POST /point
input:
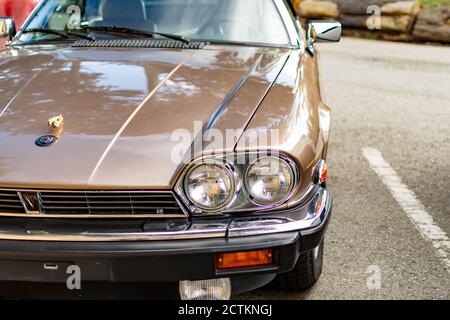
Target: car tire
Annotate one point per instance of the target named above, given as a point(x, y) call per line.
point(306, 272)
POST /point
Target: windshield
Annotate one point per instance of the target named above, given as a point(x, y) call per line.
point(248, 21)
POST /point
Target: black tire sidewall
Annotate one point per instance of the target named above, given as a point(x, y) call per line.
point(317, 260)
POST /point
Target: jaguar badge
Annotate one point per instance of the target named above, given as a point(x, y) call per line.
point(56, 126)
point(46, 141)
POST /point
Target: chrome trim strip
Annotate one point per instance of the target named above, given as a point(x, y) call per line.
point(28, 20)
point(22, 200)
point(27, 235)
point(321, 205)
point(91, 216)
point(307, 217)
point(290, 28)
point(87, 190)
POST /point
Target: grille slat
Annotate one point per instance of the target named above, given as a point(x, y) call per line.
point(4, 205)
point(10, 202)
point(96, 204)
point(4, 195)
point(115, 202)
point(102, 208)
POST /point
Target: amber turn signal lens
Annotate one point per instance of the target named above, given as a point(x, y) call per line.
point(320, 174)
point(324, 174)
point(244, 259)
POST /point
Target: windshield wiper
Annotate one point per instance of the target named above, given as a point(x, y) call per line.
point(120, 30)
point(63, 34)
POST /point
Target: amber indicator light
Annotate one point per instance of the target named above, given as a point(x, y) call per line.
point(324, 174)
point(244, 259)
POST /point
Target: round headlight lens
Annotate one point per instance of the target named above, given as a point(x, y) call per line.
point(209, 186)
point(269, 180)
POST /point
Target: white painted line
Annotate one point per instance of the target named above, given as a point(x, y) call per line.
point(410, 204)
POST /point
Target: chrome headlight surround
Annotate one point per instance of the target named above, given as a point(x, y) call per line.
point(292, 176)
point(227, 169)
point(241, 201)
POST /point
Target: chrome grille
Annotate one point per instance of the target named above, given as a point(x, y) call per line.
point(10, 202)
point(82, 204)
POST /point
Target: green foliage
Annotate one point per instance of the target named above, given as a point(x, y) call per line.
point(434, 3)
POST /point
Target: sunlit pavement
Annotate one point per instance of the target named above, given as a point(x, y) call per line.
point(395, 98)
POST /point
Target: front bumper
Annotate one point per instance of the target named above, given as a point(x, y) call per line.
point(149, 256)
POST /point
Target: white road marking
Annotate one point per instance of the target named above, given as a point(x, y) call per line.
point(410, 204)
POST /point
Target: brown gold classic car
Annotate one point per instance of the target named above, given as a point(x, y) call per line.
point(163, 142)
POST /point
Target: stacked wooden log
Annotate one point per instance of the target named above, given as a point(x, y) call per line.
point(399, 16)
point(433, 24)
point(393, 19)
point(312, 9)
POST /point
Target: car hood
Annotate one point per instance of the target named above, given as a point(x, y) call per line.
point(128, 113)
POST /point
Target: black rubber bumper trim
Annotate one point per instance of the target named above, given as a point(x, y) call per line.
point(155, 261)
point(162, 261)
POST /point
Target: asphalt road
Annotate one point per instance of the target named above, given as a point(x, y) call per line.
point(393, 97)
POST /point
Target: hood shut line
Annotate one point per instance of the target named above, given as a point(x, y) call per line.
point(132, 116)
point(217, 114)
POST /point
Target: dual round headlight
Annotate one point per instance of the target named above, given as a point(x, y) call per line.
point(269, 180)
point(210, 186)
point(213, 186)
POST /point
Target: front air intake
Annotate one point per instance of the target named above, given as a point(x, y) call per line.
point(10, 202)
point(90, 204)
point(138, 43)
